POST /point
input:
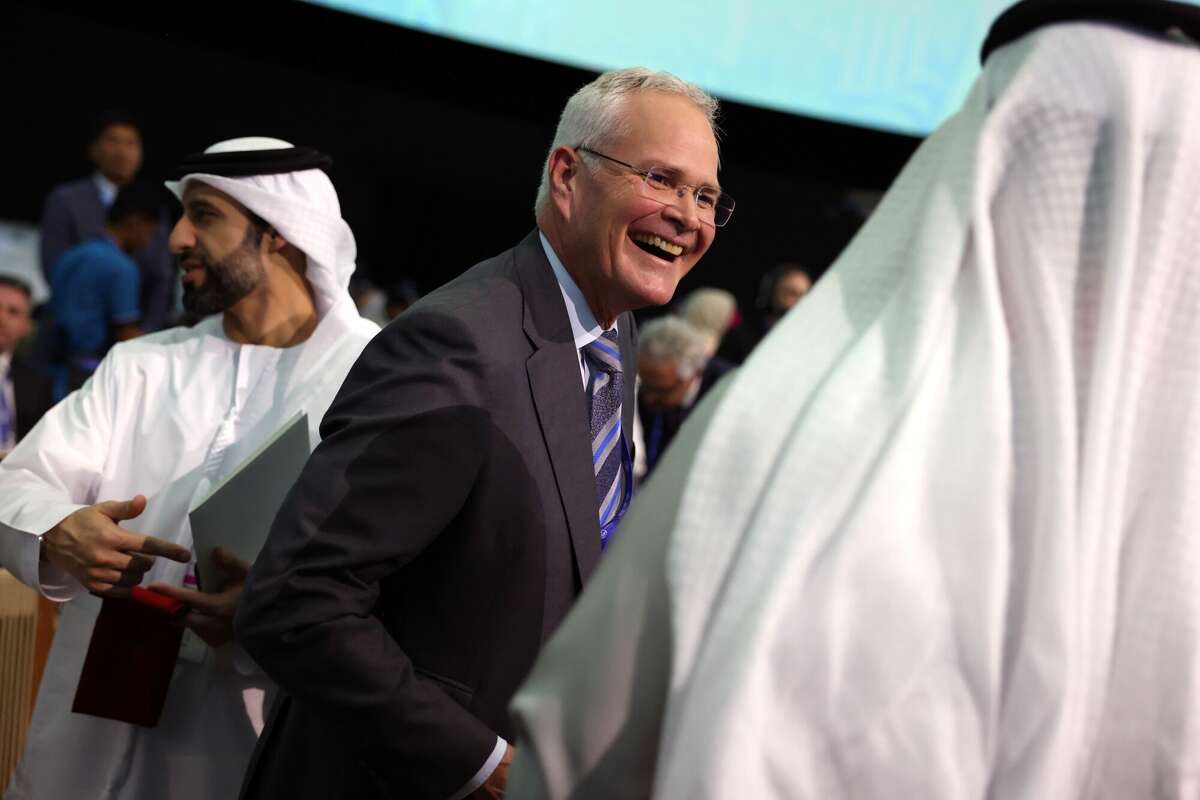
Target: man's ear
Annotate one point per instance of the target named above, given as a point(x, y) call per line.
point(564, 168)
point(275, 240)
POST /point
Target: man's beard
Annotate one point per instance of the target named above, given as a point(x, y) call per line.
point(225, 282)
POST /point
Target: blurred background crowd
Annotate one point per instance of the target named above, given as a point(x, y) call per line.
point(84, 220)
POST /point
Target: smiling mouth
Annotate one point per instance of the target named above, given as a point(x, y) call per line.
point(192, 271)
point(657, 246)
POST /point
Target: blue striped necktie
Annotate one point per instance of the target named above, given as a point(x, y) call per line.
point(604, 357)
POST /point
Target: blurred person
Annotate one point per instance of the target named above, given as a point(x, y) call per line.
point(25, 390)
point(475, 465)
point(76, 212)
point(675, 371)
point(402, 294)
point(266, 258)
point(712, 312)
point(938, 539)
point(368, 298)
point(94, 288)
point(779, 290)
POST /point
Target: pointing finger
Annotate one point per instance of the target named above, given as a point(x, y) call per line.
point(132, 563)
point(153, 546)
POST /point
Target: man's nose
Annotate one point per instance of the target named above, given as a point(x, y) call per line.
point(183, 236)
point(683, 212)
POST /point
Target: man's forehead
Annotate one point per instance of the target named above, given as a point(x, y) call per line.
point(672, 132)
point(10, 295)
point(197, 191)
point(657, 364)
point(120, 130)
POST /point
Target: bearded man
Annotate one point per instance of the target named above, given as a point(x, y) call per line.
point(165, 418)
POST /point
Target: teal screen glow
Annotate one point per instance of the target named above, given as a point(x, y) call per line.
point(887, 64)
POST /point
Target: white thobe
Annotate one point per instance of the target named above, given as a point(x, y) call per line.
point(168, 416)
point(948, 548)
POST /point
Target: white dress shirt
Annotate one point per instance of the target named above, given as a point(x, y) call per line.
point(108, 190)
point(584, 327)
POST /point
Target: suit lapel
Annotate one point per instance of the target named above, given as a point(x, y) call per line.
point(25, 396)
point(558, 396)
point(89, 211)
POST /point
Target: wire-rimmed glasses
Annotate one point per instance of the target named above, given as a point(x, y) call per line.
point(713, 206)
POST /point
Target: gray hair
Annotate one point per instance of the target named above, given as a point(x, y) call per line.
point(711, 310)
point(672, 339)
point(592, 117)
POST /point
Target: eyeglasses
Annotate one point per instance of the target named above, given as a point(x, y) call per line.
point(713, 206)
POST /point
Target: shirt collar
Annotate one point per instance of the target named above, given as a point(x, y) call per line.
point(584, 327)
point(107, 189)
point(5, 363)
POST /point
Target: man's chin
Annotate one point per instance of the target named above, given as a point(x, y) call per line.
point(655, 293)
point(200, 304)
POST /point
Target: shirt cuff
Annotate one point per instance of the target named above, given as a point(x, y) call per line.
point(54, 582)
point(21, 552)
point(484, 772)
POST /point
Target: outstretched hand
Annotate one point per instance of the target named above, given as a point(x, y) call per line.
point(211, 615)
point(102, 556)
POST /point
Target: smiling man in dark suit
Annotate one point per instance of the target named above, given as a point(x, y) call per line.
point(474, 465)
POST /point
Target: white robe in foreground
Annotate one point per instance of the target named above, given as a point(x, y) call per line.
point(941, 536)
point(168, 416)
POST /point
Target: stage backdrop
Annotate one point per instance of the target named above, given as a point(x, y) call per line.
point(438, 141)
point(896, 66)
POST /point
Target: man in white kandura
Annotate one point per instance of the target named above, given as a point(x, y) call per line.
point(940, 537)
point(264, 248)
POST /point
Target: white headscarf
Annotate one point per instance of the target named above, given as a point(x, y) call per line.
point(303, 206)
point(950, 546)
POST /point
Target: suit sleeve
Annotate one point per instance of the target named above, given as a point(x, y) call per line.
point(399, 456)
point(57, 232)
point(34, 395)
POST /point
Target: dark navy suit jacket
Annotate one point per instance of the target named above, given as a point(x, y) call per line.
point(74, 214)
point(32, 392)
point(437, 536)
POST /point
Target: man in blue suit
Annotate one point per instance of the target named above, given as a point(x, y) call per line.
point(76, 211)
point(25, 392)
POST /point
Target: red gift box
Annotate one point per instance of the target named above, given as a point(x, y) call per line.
point(131, 658)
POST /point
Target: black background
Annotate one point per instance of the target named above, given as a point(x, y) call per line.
point(437, 144)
